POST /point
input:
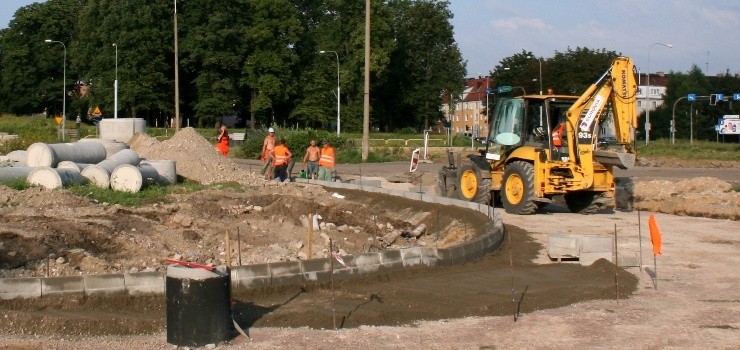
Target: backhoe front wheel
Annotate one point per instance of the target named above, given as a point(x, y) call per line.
point(472, 186)
point(517, 189)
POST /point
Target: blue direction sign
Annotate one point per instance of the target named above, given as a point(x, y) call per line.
point(488, 91)
point(720, 97)
point(504, 88)
point(736, 97)
point(692, 97)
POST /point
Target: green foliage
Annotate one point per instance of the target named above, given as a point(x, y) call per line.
point(148, 195)
point(683, 149)
point(17, 184)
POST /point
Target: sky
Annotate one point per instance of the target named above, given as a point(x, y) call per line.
point(702, 33)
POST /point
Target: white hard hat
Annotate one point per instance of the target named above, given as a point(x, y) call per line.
point(270, 130)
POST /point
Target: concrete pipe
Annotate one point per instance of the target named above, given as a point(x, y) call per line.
point(14, 173)
point(111, 147)
point(167, 170)
point(129, 178)
point(121, 129)
point(19, 156)
point(65, 164)
point(42, 154)
point(99, 174)
point(51, 178)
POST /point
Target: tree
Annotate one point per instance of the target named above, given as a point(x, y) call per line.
point(268, 70)
point(213, 51)
point(32, 70)
point(426, 60)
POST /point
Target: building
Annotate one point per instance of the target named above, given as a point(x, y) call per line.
point(468, 115)
point(658, 84)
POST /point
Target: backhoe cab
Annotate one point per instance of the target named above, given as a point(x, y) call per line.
point(543, 146)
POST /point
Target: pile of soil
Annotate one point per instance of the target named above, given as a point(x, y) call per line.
point(700, 196)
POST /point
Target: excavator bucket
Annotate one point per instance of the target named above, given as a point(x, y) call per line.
point(621, 160)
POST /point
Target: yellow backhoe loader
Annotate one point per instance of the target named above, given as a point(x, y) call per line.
point(543, 146)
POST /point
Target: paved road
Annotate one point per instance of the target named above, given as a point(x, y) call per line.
point(400, 171)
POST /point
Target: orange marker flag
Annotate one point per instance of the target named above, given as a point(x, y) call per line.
point(654, 235)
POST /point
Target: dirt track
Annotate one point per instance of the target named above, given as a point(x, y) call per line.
point(696, 305)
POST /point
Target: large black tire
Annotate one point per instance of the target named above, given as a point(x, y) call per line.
point(446, 183)
point(582, 202)
point(472, 186)
point(517, 189)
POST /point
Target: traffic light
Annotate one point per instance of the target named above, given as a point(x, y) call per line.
point(714, 98)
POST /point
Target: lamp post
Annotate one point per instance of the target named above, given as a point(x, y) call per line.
point(539, 60)
point(673, 120)
point(64, 86)
point(115, 88)
point(647, 109)
point(339, 107)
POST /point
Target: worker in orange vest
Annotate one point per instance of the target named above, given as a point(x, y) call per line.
point(326, 161)
point(281, 155)
point(557, 135)
point(223, 140)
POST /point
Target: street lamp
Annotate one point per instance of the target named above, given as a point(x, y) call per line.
point(673, 120)
point(64, 86)
point(339, 107)
point(115, 88)
point(540, 79)
point(647, 109)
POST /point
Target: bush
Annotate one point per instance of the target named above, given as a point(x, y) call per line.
point(297, 141)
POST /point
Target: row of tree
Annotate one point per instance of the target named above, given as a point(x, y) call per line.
point(256, 58)
point(574, 70)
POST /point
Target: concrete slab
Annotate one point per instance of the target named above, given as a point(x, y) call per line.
point(59, 286)
point(11, 288)
point(144, 283)
point(561, 245)
point(104, 284)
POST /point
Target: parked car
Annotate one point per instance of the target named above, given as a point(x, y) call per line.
point(607, 140)
point(481, 140)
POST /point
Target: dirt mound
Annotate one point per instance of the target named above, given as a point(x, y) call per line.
point(700, 196)
point(196, 159)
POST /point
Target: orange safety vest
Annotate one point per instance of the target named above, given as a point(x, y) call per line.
point(557, 135)
point(327, 157)
point(281, 155)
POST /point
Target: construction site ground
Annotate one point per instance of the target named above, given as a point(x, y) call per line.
point(696, 303)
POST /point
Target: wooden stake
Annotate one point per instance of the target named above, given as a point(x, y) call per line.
point(333, 297)
point(655, 267)
point(511, 272)
point(310, 236)
point(239, 244)
point(616, 264)
point(228, 249)
point(639, 234)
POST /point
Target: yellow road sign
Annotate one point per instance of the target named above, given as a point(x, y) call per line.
point(58, 119)
point(97, 111)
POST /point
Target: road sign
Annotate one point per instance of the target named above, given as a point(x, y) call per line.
point(736, 97)
point(488, 91)
point(720, 97)
point(58, 119)
point(97, 111)
point(504, 88)
point(692, 97)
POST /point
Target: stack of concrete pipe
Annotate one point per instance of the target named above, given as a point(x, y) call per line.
point(103, 163)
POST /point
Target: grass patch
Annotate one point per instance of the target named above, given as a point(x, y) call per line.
point(149, 195)
point(16, 184)
point(683, 149)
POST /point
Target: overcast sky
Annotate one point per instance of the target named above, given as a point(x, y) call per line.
point(701, 32)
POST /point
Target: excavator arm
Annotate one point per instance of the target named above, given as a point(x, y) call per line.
point(616, 88)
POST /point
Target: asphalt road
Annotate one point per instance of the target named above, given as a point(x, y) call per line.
point(401, 170)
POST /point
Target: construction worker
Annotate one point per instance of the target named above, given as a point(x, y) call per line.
point(267, 146)
point(557, 140)
point(311, 160)
point(326, 162)
point(281, 156)
point(222, 144)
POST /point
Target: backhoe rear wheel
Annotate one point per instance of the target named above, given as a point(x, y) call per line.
point(517, 189)
point(472, 186)
point(582, 202)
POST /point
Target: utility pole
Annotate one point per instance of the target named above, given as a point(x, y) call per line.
point(366, 106)
point(177, 76)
